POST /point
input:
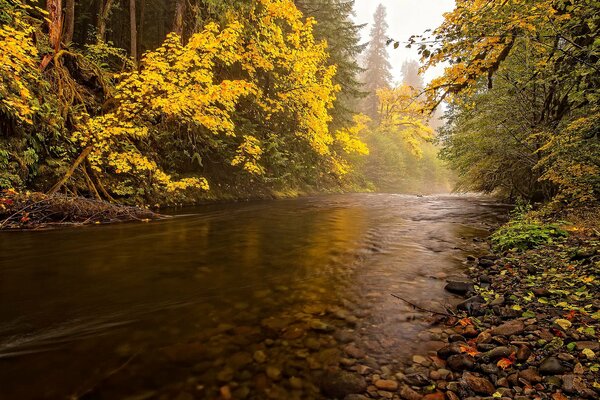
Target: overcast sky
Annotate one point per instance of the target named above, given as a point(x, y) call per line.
point(405, 18)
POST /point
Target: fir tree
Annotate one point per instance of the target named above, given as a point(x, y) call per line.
point(336, 26)
point(377, 66)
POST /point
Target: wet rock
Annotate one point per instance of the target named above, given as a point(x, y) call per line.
point(459, 287)
point(356, 397)
point(460, 362)
point(499, 352)
point(239, 360)
point(471, 305)
point(320, 326)
point(452, 396)
point(312, 343)
point(498, 301)
point(485, 279)
point(477, 384)
point(484, 337)
point(509, 328)
point(296, 383)
point(485, 263)
point(408, 394)
point(531, 375)
point(386, 384)
point(421, 360)
point(354, 351)
point(456, 338)
point(416, 379)
point(541, 292)
point(523, 353)
point(594, 346)
point(274, 372)
point(338, 384)
point(552, 366)
point(489, 369)
point(434, 396)
point(259, 356)
point(573, 384)
point(451, 349)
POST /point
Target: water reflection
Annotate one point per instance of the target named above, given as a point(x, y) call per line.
point(259, 298)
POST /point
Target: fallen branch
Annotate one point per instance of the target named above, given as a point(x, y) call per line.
point(421, 308)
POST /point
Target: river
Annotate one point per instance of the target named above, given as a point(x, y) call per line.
point(257, 298)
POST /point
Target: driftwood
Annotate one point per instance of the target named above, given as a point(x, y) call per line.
point(38, 210)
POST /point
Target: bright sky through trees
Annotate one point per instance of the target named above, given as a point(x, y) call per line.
point(405, 18)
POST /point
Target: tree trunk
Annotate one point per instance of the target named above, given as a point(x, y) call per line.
point(178, 20)
point(141, 26)
point(103, 14)
point(54, 8)
point(69, 24)
point(133, 30)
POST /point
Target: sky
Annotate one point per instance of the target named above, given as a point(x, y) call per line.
point(405, 18)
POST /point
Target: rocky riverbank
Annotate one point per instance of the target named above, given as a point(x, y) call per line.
point(527, 329)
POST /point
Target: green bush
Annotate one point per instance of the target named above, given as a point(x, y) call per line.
point(522, 235)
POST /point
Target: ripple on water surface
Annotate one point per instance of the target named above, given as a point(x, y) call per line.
point(259, 297)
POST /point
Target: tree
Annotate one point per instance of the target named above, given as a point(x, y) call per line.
point(336, 27)
point(377, 73)
point(411, 76)
point(544, 53)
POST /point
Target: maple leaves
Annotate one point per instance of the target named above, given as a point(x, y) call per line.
point(18, 68)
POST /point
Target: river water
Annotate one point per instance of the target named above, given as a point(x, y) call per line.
point(257, 299)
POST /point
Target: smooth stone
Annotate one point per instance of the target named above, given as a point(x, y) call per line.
point(594, 346)
point(509, 328)
point(416, 379)
point(451, 349)
point(573, 384)
point(523, 353)
point(296, 383)
point(421, 360)
point(259, 356)
point(273, 372)
point(354, 351)
point(339, 384)
point(408, 394)
point(386, 384)
point(456, 338)
point(499, 352)
point(460, 362)
point(459, 287)
point(552, 366)
point(477, 384)
point(356, 397)
point(531, 375)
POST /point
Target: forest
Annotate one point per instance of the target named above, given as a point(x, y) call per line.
point(171, 102)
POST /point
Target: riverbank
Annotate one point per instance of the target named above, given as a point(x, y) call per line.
point(29, 211)
point(527, 329)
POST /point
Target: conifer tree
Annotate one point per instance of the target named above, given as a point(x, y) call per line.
point(336, 26)
point(376, 63)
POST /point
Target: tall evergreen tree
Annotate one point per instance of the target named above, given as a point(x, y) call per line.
point(336, 26)
point(377, 66)
point(410, 75)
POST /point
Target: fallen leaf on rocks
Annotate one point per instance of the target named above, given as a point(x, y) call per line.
point(504, 363)
point(563, 323)
point(469, 350)
point(589, 353)
point(559, 396)
point(465, 322)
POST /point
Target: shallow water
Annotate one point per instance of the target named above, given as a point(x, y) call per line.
point(185, 306)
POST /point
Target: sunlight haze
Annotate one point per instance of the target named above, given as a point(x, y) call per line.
point(405, 18)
